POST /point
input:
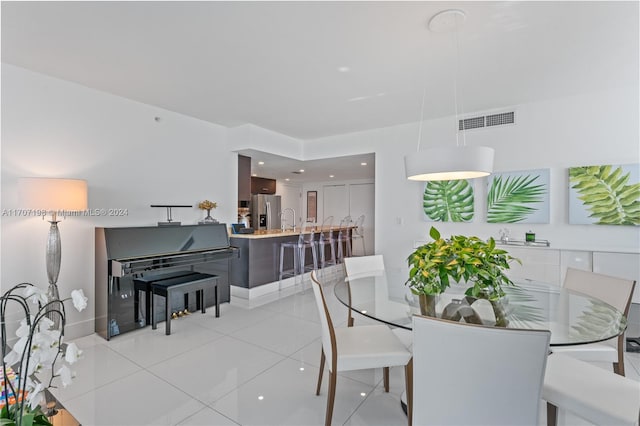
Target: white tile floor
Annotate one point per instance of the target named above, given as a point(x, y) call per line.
point(248, 367)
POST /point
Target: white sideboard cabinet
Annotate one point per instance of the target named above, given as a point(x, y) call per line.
point(550, 264)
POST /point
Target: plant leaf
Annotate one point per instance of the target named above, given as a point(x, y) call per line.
point(509, 200)
point(606, 194)
point(448, 201)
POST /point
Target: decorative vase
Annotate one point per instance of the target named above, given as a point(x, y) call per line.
point(498, 309)
point(209, 219)
point(459, 309)
point(427, 304)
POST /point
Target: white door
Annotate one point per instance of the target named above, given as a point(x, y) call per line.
point(336, 202)
point(362, 202)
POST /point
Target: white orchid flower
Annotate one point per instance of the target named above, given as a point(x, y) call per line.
point(36, 294)
point(44, 324)
point(24, 329)
point(17, 351)
point(79, 299)
point(12, 357)
point(35, 396)
point(65, 375)
point(72, 354)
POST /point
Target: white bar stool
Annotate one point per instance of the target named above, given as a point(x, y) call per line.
point(344, 239)
point(327, 239)
point(358, 234)
point(295, 253)
point(305, 243)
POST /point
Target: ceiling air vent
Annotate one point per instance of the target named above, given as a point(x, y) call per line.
point(500, 119)
point(471, 123)
point(486, 121)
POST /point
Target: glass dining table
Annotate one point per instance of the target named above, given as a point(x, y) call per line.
point(573, 318)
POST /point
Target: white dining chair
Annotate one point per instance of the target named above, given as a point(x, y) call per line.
point(357, 348)
point(361, 267)
point(614, 291)
point(591, 392)
point(466, 374)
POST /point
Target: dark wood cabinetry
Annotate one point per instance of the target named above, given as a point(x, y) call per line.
point(244, 178)
point(262, 185)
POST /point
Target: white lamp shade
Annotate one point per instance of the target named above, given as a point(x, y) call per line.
point(52, 194)
point(464, 162)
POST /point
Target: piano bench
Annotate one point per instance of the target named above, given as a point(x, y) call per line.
point(144, 284)
point(197, 282)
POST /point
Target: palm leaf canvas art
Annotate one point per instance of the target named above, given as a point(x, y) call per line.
point(518, 197)
point(605, 195)
point(448, 201)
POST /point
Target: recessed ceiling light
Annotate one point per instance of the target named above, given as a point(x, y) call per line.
point(344, 69)
point(301, 170)
point(261, 397)
point(287, 179)
point(255, 174)
point(363, 164)
point(301, 368)
point(358, 98)
point(261, 162)
point(331, 176)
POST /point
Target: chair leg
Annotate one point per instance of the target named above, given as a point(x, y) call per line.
point(320, 372)
point(330, 398)
point(552, 414)
point(408, 378)
point(618, 367)
point(385, 375)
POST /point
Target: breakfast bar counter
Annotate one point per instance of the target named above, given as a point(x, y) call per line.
point(275, 233)
point(259, 260)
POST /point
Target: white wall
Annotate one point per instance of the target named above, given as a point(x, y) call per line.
point(596, 128)
point(54, 128)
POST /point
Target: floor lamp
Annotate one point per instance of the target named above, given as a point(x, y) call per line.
point(57, 197)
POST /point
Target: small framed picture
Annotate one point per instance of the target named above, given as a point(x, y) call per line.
point(312, 206)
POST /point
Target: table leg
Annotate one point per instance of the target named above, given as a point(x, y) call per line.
point(215, 289)
point(154, 324)
point(167, 311)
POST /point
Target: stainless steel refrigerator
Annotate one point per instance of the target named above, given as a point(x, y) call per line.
point(265, 211)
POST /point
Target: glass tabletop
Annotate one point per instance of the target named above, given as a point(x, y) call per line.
point(573, 318)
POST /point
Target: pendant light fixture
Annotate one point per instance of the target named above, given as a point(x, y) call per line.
point(448, 163)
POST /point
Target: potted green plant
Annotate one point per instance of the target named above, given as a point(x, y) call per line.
point(459, 259)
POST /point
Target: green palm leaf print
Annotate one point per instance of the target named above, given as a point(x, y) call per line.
point(448, 201)
point(606, 193)
point(510, 199)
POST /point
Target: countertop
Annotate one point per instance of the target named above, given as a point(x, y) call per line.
point(274, 233)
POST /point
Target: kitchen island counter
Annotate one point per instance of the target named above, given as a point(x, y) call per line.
point(275, 233)
point(259, 259)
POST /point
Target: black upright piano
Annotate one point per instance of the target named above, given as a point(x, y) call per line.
point(126, 256)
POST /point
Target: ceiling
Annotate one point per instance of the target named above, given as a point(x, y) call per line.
point(350, 167)
point(315, 69)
